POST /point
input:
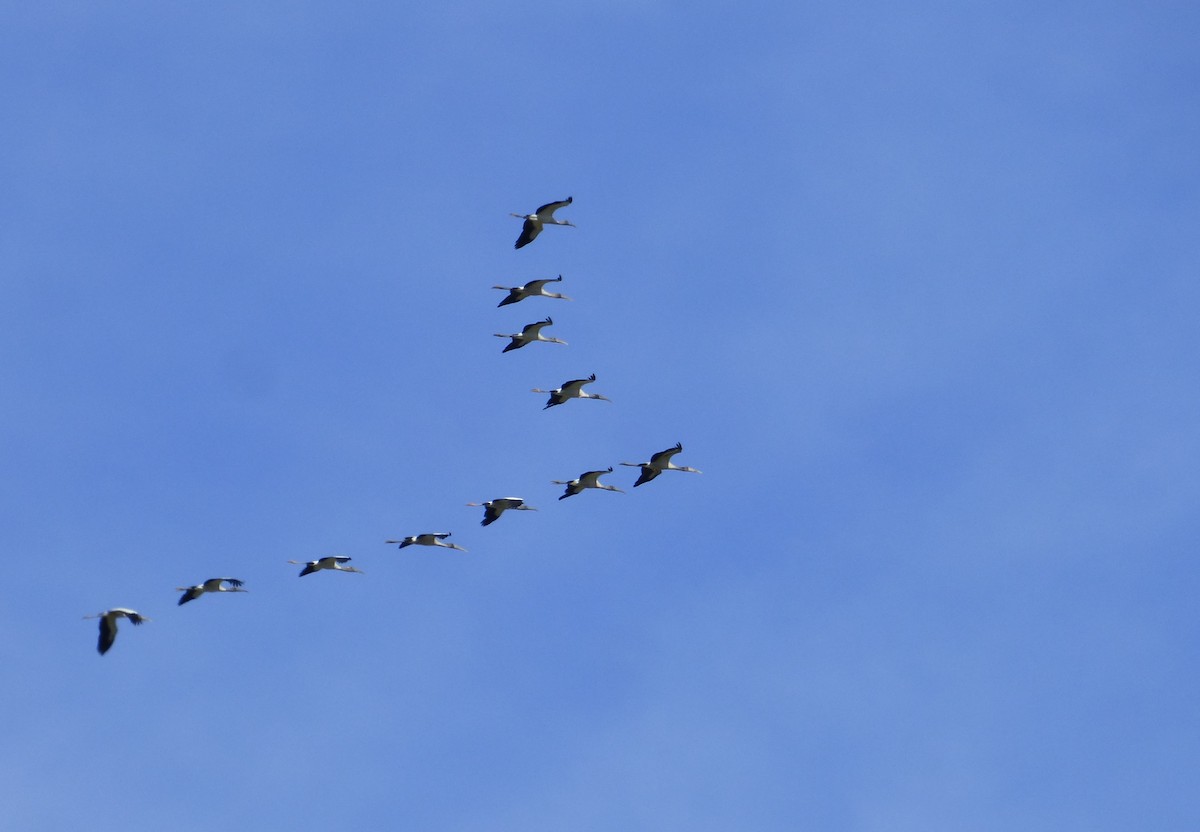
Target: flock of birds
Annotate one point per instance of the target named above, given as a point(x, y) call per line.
point(492, 509)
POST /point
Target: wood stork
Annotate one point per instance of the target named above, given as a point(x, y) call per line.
point(588, 479)
point(492, 509)
point(571, 390)
point(191, 593)
point(532, 289)
point(333, 562)
point(427, 539)
point(542, 216)
point(108, 625)
point(658, 463)
point(530, 333)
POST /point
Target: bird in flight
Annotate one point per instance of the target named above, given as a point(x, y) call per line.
point(530, 333)
point(532, 289)
point(571, 390)
point(492, 509)
point(191, 593)
point(334, 562)
point(588, 479)
point(658, 463)
point(427, 539)
point(542, 216)
point(108, 625)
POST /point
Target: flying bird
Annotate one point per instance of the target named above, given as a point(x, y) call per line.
point(658, 463)
point(108, 625)
point(588, 479)
point(191, 593)
point(427, 539)
point(542, 216)
point(333, 562)
point(571, 390)
point(531, 332)
point(492, 509)
point(532, 289)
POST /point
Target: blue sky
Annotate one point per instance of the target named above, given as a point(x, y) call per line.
point(915, 287)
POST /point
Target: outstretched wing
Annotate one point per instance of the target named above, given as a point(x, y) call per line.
point(663, 458)
point(532, 330)
point(528, 232)
point(546, 212)
point(108, 633)
point(649, 472)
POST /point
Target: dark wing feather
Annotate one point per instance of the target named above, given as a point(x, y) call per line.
point(649, 472)
point(191, 595)
point(528, 232)
point(108, 633)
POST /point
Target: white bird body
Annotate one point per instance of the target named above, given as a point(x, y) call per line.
point(191, 593)
point(333, 562)
point(532, 289)
point(658, 463)
point(571, 390)
point(108, 625)
point(427, 539)
point(588, 479)
point(492, 509)
point(530, 333)
point(534, 222)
